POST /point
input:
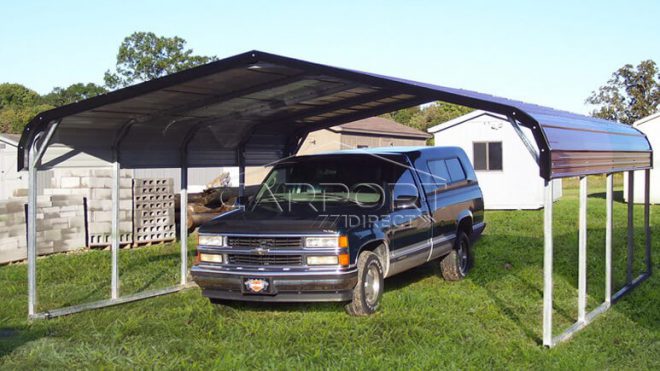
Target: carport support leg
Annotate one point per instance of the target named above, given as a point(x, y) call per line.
point(547, 265)
point(32, 234)
point(608, 239)
point(183, 220)
point(631, 240)
point(647, 220)
point(114, 290)
point(582, 252)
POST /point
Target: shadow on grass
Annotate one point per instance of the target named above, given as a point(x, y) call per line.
point(12, 338)
point(618, 196)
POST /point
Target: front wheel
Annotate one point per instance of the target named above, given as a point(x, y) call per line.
point(369, 289)
point(455, 265)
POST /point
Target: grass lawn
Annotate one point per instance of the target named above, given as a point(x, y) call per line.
point(490, 320)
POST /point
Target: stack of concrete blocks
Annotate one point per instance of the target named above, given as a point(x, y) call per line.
point(60, 226)
point(153, 220)
point(95, 185)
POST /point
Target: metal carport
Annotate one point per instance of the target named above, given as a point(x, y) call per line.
point(255, 108)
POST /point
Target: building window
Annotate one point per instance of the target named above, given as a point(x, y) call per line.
point(487, 155)
point(362, 146)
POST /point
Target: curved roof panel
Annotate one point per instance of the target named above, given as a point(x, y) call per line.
point(262, 106)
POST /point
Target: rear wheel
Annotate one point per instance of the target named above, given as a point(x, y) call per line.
point(456, 265)
point(369, 289)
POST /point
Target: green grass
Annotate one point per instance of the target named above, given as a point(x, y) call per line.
point(490, 320)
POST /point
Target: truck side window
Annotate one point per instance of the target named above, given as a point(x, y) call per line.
point(404, 184)
point(456, 172)
point(439, 172)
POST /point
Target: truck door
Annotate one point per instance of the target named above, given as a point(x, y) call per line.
point(410, 225)
point(444, 187)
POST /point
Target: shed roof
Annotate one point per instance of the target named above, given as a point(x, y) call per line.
point(647, 119)
point(262, 106)
point(381, 126)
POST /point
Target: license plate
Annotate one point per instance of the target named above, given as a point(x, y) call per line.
point(256, 285)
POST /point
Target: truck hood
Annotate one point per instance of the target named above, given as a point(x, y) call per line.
point(299, 221)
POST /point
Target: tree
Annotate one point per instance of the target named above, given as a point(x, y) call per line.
point(74, 93)
point(629, 95)
point(144, 56)
point(422, 118)
point(18, 105)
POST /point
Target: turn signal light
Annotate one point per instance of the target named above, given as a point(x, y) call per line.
point(343, 241)
point(344, 260)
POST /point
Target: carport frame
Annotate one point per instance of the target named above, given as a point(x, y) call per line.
point(626, 154)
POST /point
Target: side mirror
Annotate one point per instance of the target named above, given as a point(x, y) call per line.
point(405, 202)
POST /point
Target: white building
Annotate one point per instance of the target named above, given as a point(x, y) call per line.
point(507, 172)
point(649, 125)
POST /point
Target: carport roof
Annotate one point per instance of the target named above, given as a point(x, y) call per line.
point(262, 105)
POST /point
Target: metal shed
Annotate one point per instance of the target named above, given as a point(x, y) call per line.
point(255, 108)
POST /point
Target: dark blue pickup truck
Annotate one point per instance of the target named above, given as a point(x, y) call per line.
point(332, 227)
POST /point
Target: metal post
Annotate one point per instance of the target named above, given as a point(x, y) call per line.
point(582, 252)
point(241, 171)
point(608, 239)
point(631, 240)
point(32, 232)
point(35, 153)
point(114, 290)
point(183, 218)
point(547, 265)
point(647, 221)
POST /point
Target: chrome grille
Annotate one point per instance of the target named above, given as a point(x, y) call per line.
point(265, 242)
point(242, 259)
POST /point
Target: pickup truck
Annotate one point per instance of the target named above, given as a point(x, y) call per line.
point(332, 227)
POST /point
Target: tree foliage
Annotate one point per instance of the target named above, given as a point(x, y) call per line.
point(422, 118)
point(74, 93)
point(18, 105)
point(144, 56)
point(629, 95)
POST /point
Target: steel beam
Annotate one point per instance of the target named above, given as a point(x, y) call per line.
point(547, 265)
point(114, 275)
point(240, 153)
point(631, 237)
point(582, 252)
point(183, 220)
point(647, 220)
point(108, 302)
point(36, 152)
point(528, 144)
point(608, 237)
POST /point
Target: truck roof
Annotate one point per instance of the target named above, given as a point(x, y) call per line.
point(393, 150)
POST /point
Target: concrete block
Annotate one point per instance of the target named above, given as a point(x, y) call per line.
point(21, 192)
point(101, 216)
point(70, 182)
point(11, 255)
point(125, 193)
point(77, 221)
point(102, 194)
point(102, 173)
point(99, 227)
point(126, 183)
point(96, 182)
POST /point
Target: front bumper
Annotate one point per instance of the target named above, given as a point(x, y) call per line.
point(285, 286)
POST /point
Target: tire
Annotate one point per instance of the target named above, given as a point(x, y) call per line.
point(456, 265)
point(368, 292)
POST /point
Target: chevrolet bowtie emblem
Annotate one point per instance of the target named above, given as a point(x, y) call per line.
point(260, 251)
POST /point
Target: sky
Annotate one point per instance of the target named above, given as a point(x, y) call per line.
point(552, 53)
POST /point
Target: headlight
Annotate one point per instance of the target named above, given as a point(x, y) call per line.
point(334, 241)
point(212, 240)
point(212, 258)
point(322, 260)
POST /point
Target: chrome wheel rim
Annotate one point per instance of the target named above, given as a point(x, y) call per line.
point(372, 285)
point(462, 257)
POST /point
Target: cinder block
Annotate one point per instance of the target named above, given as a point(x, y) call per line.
point(21, 192)
point(11, 255)
point(99, 227)
point(96, 182)
point(70, 182)
point(102, 194)
point(101, 216)
point(77, 221)
point(126, 182)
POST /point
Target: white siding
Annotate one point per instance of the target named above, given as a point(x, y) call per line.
point(518, 185)
point(652, 130)
point(198, 178)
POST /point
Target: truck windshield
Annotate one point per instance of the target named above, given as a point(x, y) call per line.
point(331, 180)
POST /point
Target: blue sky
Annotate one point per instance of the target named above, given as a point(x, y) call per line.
point(547, 52)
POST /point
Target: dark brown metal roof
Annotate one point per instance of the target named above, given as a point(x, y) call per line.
point(265, 104)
